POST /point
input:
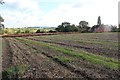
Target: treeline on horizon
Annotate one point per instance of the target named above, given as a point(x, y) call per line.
point(82, 27)
point(64, 27)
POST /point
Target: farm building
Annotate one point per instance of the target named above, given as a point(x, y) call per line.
point(100, 28)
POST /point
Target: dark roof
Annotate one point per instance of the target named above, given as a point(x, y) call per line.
point(94, 27)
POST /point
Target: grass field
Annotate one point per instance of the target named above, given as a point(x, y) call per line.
point(7, 31)
point(80, 55)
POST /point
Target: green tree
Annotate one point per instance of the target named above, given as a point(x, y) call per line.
point(65, 24)
point(66, 27)
point(75, 29)
point(60, 28)
point(52, 31)
point(99, 21)
point(27, 31)
point(83, 26)
point(18, 31)
point(38, 31)
point(114, 29)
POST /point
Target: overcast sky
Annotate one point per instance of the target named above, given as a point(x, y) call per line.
point(119, 12)
point(25, 13)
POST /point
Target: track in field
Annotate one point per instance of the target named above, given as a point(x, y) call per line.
point(96, 50)
point(90, 71)
point(44, 67)
point(42, 61)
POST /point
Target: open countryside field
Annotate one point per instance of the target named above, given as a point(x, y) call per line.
point(81, 55)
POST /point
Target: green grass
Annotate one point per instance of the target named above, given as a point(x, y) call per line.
point(95, 59)
point(94, 38)
point(23, 30)
point(18, 69)
point(83, 55)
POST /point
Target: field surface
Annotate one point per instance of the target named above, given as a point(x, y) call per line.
point(87, 55)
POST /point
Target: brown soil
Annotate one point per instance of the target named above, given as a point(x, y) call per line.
point(40, 65)
point(43, 64)
point(95, 49)
point(79, 67)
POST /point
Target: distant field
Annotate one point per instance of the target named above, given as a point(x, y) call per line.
point(24, 30)
point(80, 55)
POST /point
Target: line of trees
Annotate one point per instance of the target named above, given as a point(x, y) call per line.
point(67, 27)
point(115, 29)
point(83, 27)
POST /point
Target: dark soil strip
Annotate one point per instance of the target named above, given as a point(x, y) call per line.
point(7, 56)
point(61, 43)
point(34, 64)
point(72, 69)
point(45, 67)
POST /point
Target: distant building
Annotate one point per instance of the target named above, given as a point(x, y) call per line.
point(100, 27)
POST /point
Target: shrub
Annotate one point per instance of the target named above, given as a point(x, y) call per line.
point(51, 31)
point(27, 31)
point(38, 31)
